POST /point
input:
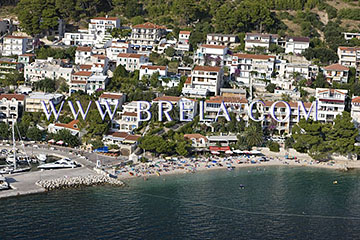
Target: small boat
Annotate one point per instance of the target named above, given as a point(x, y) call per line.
point(242, 186)
point(41, 157)
point(10, 170)
point(62, 163)
point(335, 182)
point(4, 185)
point(157, 173)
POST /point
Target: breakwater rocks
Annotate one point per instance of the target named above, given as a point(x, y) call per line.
point(73, 182)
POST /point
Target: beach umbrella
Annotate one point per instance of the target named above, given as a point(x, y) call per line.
point(60, 142)
point(228, 152)
point(215, 152)
point(237, 151)
point(51, 141)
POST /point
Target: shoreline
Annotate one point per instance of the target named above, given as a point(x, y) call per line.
point(25, 183)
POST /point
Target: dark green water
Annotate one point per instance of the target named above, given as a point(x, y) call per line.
point(278, 203)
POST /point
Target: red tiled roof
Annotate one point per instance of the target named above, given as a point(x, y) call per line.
point(252, 56)
point(19, 97)
point(99, 56)
point(70, 125)
point(331, 91)
point(292, 104)
point(120, 134)
point(355, 100)
point(299, 39)
point(85, 66)
point(28, 55)
point(111, 96)
point(336, 67)
point(130, 55)
point(195, 135)
point(83, 73)
point(84, 49)
point(16, 37)
point(152, 67)
point(132, 114)
point(213, 46)
point(219, 99)
point(207, 68)
point(184, 32)
point(149, 25)
point(349, 48)
point(132, 137)
point(78, 82)
point(188, 80)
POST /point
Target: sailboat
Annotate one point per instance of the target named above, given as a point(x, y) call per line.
point(12, 157)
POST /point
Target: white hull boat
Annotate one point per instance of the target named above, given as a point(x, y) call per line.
point(3, 183)
point(62, 163)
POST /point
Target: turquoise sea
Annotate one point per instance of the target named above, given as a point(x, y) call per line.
point(276, 203)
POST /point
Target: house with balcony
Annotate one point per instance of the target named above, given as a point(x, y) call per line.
point(149, 70)
point(259, 40)
point(221, 39)
point(14, 45)
point(210, 55)
point(296, 45)
point(336, 73)
point(331, 102)
point(350, 57)
point(236, 105)
point(72, 127)
point(197, 140)
point(33, 102)
point(189, 105)
point(145, 36)
point(243, 66)
point(11, 107)
point(8, 66)
point(355, 110)
point(204, 80)
point(125, 141)
point(112, 99)
point(183, 43)
point(132, 61)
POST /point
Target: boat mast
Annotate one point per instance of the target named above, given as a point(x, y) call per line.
point(14, 143)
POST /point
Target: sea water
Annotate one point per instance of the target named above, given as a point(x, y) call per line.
point(276, 203)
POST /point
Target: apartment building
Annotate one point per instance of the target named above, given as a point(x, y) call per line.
point(336, 73)
point(190, 105)
point(197, 140)
point(83, 55)
point(237, 105)
point(349, 57)
point(243, 66)
point(125, 141)
point(14, 45)
point(210, 55)
point(26, 58)
point(256, 40)
point(183, 43)
point(204, 80)
point(87, 81)
point(11, 107)
point(112, 99)
point(148, 70)
point(103, 25)
point(116, 48)
point(221, 39)
point(132, 61)
point(291, 70)
point(331, 102)
point(47, 68)
point(145, 36)
point(81, 38)
point(33, 102)
point(296, 45)
point(8, 66)
point(355, 110)
point(125, 122)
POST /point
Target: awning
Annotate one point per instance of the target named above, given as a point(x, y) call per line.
point(219, 149)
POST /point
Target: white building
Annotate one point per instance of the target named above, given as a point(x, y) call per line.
point(102, 26)
point(127, 142)
point(211, 55)
point(125, 122)
point(183, 44)
point(47, 68)
point(355, 110)
point(205, 80)
point(83, 55)
point(244, 66)
point(237, 105)
point(87, 82)
point(81, 38)
point(33, 102)
point(11, 107)
point(255, 40)
point(145, 36)
point(331, 103)
point(336, 73)
point(112, 99)
point(148, 70)
point(132, 61)
point(14, 45)
point(190, 105)
point(350, 57)
point(197, 140)
point(289, 70)
point(350, 35)
point(116, 48)
point(296, 45)
point(221, 39)
point(72, 127)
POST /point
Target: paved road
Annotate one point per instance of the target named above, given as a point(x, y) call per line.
point(90, 161)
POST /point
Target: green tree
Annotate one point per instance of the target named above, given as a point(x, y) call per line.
point(170, 51)
point(253, 136)
point(34, 134)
